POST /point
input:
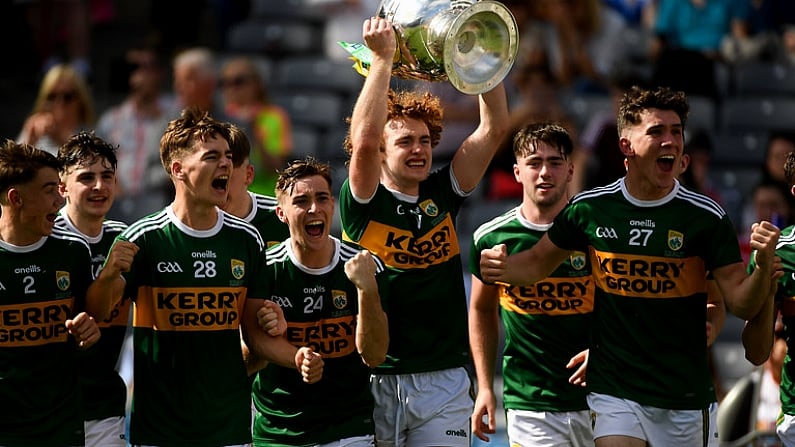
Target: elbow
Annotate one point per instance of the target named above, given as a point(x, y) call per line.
point(757, 357)
point(373, 361)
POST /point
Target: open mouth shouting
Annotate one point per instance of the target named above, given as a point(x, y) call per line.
point(666, 162)
point(315, 228)
point(220, 183)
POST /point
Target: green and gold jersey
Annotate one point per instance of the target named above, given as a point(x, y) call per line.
point(263, 217)
point(320, 306)
point(546, 324)
point(189, 289)
point(786, 293)
point(42, 286)
point(104, 391)
point(417, 241)
point(649, 260)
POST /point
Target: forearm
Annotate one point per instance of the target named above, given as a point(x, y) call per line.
point(757, 336)
point(103, 294)
point(370, 111)
point(746, 300)
point(372, 330)
point(483, 330)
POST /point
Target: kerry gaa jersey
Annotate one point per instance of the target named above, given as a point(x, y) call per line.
point(42, 286)
point(417, 241)
point(189, 289)
point(546, 324)
point(649, 260)
point(320, 306)
point(263, 217)
point(104, 391)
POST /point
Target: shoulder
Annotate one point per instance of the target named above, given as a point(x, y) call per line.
point(700, 201)
point(598, 192)
point(153, 222)
point(238, 224)
point(493, 225)
point(263, 202)
point(62, 235)
point(349, 249)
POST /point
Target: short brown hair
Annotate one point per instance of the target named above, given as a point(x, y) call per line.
point(182, 133)
point(525, 142)
point(298, 169)
point(19, 164)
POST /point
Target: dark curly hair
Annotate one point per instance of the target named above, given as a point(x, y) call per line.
point(84, 149)
point(637, 99)
point(410, 104)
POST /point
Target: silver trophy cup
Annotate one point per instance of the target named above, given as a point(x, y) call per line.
point(470, 43)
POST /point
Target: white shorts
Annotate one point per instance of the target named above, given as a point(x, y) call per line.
point(422, 409)
point(785, 429)
point(549, 429)
point(108, 432)
point(355, 441)
point(657, 426)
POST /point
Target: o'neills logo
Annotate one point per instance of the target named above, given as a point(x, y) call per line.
point(34, 324)
point(403, 250)
point(332, 337)
point(189, 309)
point(648, 276)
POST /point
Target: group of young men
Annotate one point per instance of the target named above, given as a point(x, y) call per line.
point(244, 303)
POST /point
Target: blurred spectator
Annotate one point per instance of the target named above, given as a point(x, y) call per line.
point(195, 82)
point(779, 144)
point(62, 107)
point(698, 148)
point(583, 40)
point(61, 31)
point(769, 201)
point(636, 13)
point(246, 100)
point(136, 126)
point(603, 160)
point(688, 36)
point(769, 22)
point(343, 22)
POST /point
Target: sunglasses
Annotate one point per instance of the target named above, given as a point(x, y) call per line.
point(235, 81)
point(67, 96)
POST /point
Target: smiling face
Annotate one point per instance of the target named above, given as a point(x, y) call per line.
point(89, 189)
point(653, 149)
point(307, 207)
point(545, 175)
point(38, 203)
point(407, 155)
point(203, 174)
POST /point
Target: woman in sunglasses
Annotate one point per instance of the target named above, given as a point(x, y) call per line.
point(62, 107)
point(246, 100)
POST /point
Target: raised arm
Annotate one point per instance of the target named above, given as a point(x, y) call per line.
point(370, 112)
point(372, 330)
point(483, 341)
point(746, 294)
point(108, 287)
point(523, 268)
point(473, 157)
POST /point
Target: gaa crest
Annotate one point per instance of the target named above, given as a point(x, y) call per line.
point(675, 240)
point(238, 268)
